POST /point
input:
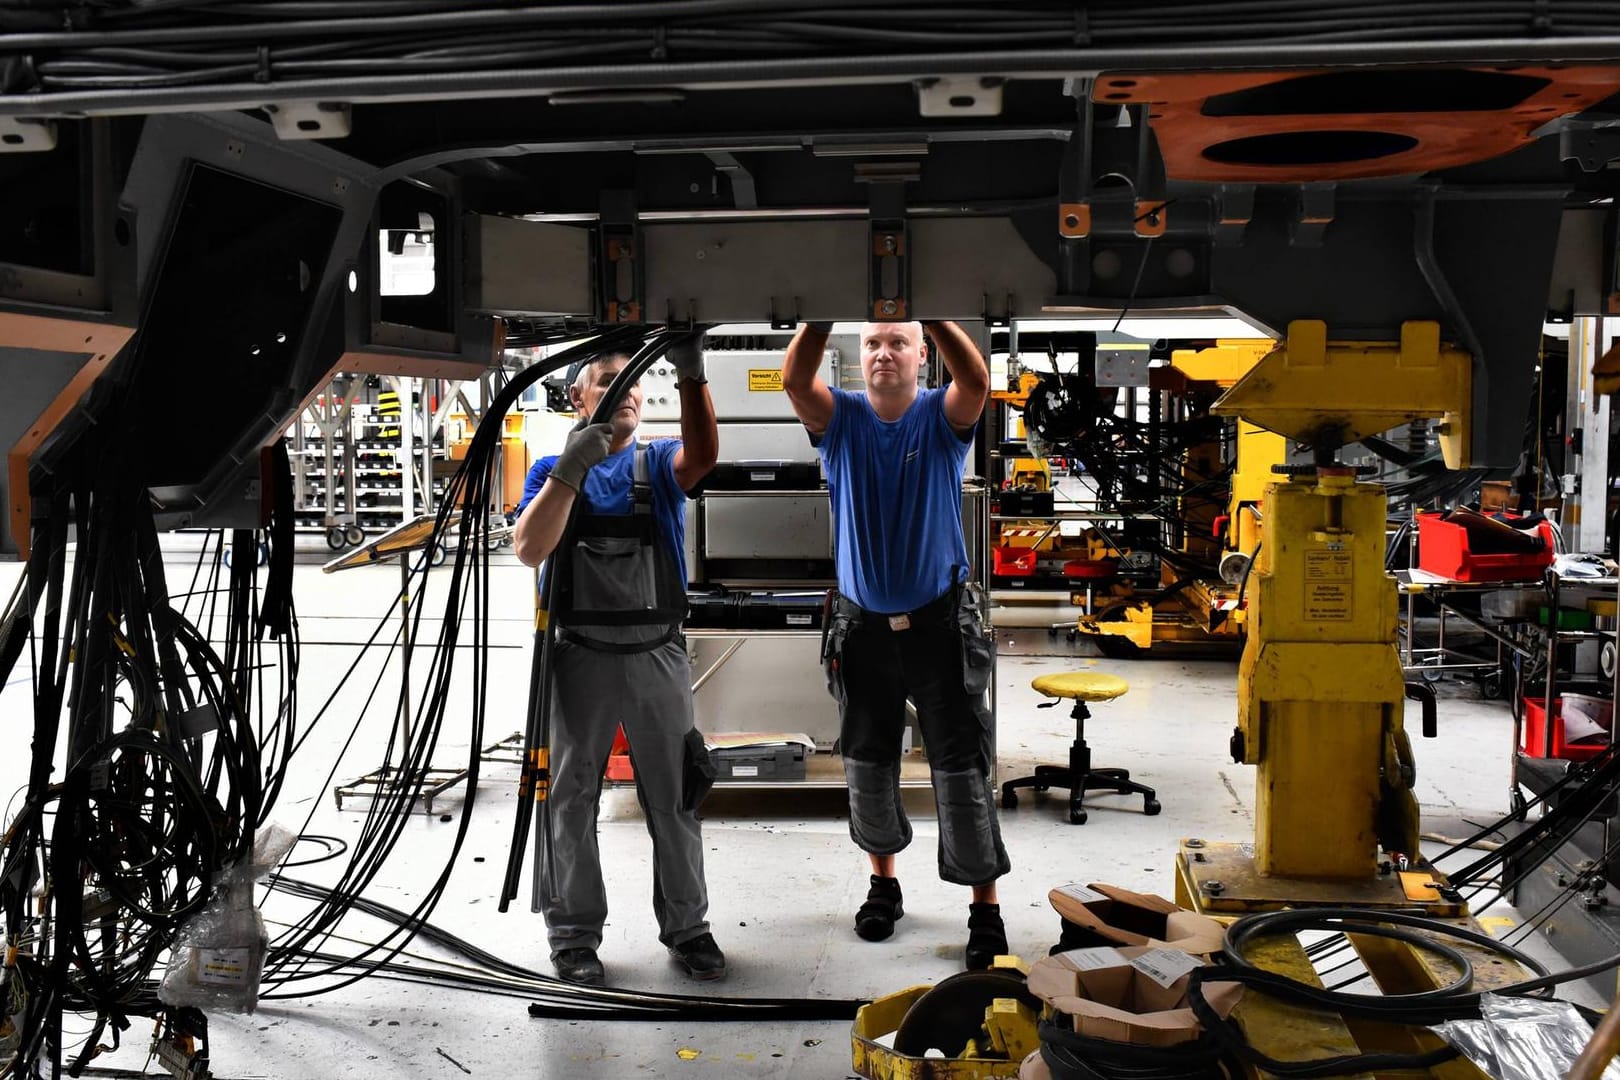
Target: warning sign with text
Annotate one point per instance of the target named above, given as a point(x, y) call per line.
point(764, 379)
point(1328, 586)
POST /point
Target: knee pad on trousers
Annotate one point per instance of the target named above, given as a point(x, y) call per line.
point(877, 821)
point(970, 849)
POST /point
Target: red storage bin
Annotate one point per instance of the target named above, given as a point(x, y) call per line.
point(1009, 561)
point(618, 767)
point(1535, 732)
point(1443, 551)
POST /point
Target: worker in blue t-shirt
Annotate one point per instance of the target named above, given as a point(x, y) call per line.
point(620, 658)
point(902, 623)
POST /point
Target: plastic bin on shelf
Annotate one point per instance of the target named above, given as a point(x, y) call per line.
point(1008, 561)
point(1443, 550)
point(1598, 710)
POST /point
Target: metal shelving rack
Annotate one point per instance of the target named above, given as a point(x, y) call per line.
point(356, 471)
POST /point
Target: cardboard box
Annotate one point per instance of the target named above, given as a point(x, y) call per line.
point(1110, 915)
point(1132, 995)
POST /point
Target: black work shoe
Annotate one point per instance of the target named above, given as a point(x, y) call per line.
point(987, 935)
point(876, 918)
point(579, 966)
point(701, 958)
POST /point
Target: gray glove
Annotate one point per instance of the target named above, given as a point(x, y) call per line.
point(686, 357)
point(586, 448)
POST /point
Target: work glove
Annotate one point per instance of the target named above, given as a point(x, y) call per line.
point(586, 448)
point(686, 357)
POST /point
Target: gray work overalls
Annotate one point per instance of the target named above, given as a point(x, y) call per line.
point(620, 658)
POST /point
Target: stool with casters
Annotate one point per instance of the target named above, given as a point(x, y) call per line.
point(1079, 776)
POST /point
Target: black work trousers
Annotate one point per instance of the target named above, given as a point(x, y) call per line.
point(939, 658)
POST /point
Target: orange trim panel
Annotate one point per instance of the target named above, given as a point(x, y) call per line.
point(1310, 126)
point(101, 342)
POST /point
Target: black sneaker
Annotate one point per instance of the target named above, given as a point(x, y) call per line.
point(987, 936)
point(701, 958)
point(579, 966)
point(876, 918)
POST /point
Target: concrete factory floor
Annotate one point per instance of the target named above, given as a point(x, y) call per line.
point(784, 877)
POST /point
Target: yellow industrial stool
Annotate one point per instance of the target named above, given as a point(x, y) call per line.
point(1079, 777)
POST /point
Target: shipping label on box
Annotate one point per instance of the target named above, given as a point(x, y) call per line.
point(1164, 966)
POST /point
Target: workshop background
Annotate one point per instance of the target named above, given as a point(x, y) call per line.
point(1292, 512)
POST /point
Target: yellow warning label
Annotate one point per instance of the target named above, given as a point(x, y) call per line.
point(764, 380)
point(1328, 582)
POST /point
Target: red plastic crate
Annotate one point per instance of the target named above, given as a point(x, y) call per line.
point(1013, 561)
point(1535, 733)
point(1443, 551)
point(618, 767)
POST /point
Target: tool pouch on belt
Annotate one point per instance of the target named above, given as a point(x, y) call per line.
point(618, 588)
point(836, 623)
point(697, 771)
point(978, 647)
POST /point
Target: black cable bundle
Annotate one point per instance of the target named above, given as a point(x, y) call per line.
point(299, 966)
point(100, 47)
point(1455, 1001)
point(1072, 1056)
point(555, 999)
point(159, 737)
point(537, 736)
point(296, 965)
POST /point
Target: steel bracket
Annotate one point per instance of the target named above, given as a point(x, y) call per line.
point(888, 256)
point(24, 135)
point(1590, 144)
point(1312, 215)
point(312, 119)
point(621, 278)
point(1234, 210)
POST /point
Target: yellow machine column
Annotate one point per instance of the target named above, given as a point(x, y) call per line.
point(1320, 688)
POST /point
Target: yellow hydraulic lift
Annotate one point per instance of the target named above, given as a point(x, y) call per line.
point(1321, 697)
point(1320, 691)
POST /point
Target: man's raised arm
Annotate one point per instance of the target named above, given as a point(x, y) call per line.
point(970, 375)
point(811, 398)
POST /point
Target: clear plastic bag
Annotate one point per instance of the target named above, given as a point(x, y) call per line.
point(1520, 1038)
point(218, 956)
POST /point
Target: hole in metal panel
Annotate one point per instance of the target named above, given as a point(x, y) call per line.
point(1310, 148)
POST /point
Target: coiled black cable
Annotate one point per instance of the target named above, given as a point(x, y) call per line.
point(1453, 1001)
point(1073, 1056)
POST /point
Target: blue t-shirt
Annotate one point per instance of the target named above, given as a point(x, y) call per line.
point(896, 492)
point(607, 491)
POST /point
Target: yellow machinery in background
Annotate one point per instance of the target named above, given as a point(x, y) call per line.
point(1205, 610)
point(1030, 474)
point(1018, 394)
point(1320, 690)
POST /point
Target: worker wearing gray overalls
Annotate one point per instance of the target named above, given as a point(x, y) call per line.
point(620, 658)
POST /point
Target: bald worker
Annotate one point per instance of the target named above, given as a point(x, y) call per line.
point(903, 624)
